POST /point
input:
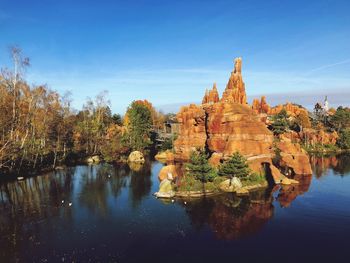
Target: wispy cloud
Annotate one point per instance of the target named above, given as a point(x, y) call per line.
point(347, 61)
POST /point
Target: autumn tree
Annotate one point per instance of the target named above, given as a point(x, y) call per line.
point(139, 126)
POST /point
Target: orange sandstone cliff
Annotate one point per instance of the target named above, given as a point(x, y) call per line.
point(229, 125)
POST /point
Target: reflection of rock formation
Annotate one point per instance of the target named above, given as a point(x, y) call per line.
point(140, 184)
point(231, 217)
point(288, 193)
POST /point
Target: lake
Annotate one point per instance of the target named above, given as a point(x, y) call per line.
point(105, 213)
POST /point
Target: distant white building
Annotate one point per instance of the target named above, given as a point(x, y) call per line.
point(325, 105)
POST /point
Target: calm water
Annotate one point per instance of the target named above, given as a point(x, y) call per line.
point(113, 217)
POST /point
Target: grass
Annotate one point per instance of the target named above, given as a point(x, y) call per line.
point(321, 148)
point(189, 183)
point(254, 179)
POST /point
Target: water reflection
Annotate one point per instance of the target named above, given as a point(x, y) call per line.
point(231, 217)
point(340, 164)
point(288, 193)
point(116, 202)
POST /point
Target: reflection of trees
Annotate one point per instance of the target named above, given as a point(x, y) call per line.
point(340, 164)
point(232, 217)
point(94, 190)
point(140, 184)
point(343, 165)
point(28, 201)
point(288, 193)
point(321, 164)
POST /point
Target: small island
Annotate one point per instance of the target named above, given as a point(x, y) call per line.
point(227, 145)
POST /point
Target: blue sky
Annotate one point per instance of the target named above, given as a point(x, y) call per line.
point(169, 52)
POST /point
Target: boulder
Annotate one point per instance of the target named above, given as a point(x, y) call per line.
point(166, 171)
point(165, 189)
point(232, 186)
point(93, 159)
point(136, 157)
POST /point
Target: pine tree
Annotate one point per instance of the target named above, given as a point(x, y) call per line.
point(200, 168)
point(280, 122)
point(236, 166)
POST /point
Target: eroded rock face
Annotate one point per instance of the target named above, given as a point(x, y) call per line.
point(294, 157)
point(235, 127)
point(292, 109)
point(235, 88)
point(167, 171)
point(211, 96)
point(192, 133)
point(261, 106)
point(313, 136)
point(229, 125)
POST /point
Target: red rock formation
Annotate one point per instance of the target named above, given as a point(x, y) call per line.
point(235, 88)
point(261, 106)
point(292, 109)
point(294, 157)
point(235, 127)
point(230, 125)
point(313, 136)
point(211, 96)
point(192, 133)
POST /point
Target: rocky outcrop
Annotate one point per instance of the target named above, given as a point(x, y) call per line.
point(93, 159)
point(165, 189)
point(167, 172)
point(261, 106)
point(292, 109)
point(165, 157)
point(211, 96)
point(235, 127)
point(192, 133)
point(312, 136)
point(235, 88)
point(229, 125)
point(293, 158)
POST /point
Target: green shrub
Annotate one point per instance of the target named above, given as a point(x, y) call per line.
point(236, 166)
point(344, 139)
point(200, 168)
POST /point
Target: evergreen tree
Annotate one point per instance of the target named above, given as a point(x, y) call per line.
point(200, 168)
point(280, 122)
point(236, 166)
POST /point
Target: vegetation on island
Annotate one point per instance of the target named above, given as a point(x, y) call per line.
point(202, 176)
